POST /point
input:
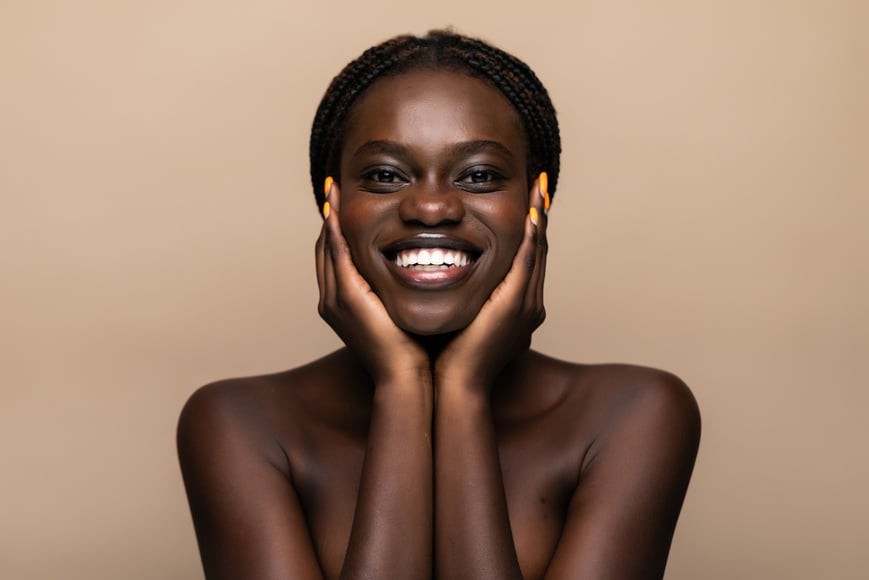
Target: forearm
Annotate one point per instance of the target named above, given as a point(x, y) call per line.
point(472, 528)
point(392, 527)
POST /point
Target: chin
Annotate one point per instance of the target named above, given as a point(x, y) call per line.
point(431, 323)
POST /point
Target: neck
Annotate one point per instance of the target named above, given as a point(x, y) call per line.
point(434, 344)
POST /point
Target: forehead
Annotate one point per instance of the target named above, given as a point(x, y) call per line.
point(427, 108)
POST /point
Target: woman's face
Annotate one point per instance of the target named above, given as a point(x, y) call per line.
point(434, 195)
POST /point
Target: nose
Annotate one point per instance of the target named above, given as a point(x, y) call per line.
point(431, 205)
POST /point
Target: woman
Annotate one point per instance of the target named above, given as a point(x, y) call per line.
point(436, 443)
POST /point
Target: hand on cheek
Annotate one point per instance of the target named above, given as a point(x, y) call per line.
point(350, 306)
point(504, 325)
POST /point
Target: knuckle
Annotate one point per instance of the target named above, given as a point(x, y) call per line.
point(343, 299)
point(339, 249)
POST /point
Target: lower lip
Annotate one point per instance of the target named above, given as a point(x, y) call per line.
point(431, 279)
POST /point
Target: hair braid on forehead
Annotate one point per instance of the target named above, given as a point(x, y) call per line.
point(449, 51)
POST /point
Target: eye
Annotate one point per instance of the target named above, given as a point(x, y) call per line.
point(383, 176)
point(481, 180)
point(480, 177)
point(383, 179)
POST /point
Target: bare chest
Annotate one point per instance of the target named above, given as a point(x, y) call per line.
point(538, 475)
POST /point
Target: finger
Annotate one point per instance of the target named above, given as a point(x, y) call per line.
point(348, 282)
point(330, 287)
point(331, 282)
point(327, 283)
point(339, 250)
point(539, 199)
point(527, 261)
point(513, 288)
point(330, 191)
point(538, 277)
point(319, 260)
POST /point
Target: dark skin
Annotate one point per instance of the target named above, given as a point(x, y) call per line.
point(437, 444)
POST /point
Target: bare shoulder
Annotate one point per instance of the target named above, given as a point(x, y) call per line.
point(231, 414)
point(227, 401)
point(272, 415)
point(236, 440)
point(623, 391)
point(602, 396)
point(645, 416)
point(638, 431)
point(602, 407)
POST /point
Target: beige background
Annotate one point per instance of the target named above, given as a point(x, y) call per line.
point(156, 233)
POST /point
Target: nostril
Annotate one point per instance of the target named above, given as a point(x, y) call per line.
point(431, 207)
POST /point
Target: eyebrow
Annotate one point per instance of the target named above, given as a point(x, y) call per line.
point(460, 149)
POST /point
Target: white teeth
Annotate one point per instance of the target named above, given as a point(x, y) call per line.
point(432, 257)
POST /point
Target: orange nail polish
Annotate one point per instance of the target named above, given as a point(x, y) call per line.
point(533, 213)
point(328, 185)
point(543, 181)
point(327, 209)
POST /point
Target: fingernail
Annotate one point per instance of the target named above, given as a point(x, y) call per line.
point(533, 213)
point(543, 180)
point(327, 185)
point(327, 209)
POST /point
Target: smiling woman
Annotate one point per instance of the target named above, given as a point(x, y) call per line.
point(436, 443)
point(433, 164)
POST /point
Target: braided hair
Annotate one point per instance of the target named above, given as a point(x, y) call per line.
point(445, 50)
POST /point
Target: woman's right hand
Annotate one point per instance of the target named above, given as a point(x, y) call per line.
point(350, 306)
point(391, 536)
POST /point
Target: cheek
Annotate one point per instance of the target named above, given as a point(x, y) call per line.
point(508, 226)
point(360, 219)
point(352, 225)
point(517, 228)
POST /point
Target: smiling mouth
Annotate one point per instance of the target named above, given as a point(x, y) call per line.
point(432, 259)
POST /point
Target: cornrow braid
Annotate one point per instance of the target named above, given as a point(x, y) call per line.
point(439, 49)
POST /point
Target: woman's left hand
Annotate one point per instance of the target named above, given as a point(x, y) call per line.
point(503, 327)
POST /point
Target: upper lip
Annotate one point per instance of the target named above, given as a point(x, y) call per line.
point(432, 240)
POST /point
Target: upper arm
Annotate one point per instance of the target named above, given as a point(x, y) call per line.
point(623, 512)
point(248, 520)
